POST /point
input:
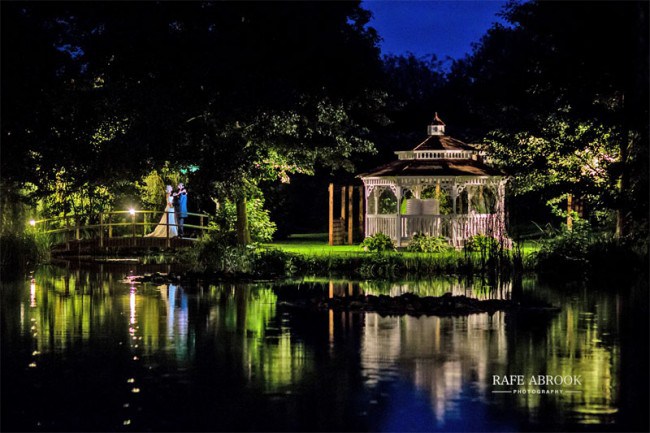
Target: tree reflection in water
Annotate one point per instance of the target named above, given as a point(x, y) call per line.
point(152, 348)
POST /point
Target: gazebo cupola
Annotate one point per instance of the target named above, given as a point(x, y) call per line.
point(437, 127)
point(442, 187)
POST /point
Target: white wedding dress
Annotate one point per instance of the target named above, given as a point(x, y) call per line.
point(168, 218)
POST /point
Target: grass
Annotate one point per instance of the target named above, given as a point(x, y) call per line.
point(316, 244)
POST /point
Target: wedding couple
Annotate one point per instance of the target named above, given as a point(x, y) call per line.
point(174, 215)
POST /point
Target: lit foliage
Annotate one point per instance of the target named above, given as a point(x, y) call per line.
point(563, 158)
point(259, 221)
point(151, 188)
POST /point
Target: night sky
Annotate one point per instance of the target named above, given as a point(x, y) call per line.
point(443, 28)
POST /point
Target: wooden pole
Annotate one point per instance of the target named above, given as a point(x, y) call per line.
point(350, 215)
point(331, 214)
point(101, 229)
point(343, 203)
point(76, 222)
point(361, 197)
point(569, 208)
point(110, 225)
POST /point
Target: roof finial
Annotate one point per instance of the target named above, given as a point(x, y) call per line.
point(437, 126)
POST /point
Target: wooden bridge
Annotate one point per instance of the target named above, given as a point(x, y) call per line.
point(104, 232)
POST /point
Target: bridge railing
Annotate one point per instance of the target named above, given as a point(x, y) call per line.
point(106, 225)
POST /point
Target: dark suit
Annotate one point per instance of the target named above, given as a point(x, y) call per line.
point(180, 209)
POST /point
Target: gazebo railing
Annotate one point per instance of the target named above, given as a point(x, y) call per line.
point(457, 228)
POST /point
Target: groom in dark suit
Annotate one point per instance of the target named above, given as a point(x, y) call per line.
point(180, 207)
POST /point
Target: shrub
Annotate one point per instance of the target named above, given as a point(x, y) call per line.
point(259, 221)
point(428, 244)
point(481, 243)
point(378, 242)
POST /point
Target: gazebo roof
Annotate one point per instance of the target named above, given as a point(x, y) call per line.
point(433, 167)
point(443, 142)
point(438, 155)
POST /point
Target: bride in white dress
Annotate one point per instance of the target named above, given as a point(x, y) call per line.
point(168, 218)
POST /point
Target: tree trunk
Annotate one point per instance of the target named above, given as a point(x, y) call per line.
point(243, 232)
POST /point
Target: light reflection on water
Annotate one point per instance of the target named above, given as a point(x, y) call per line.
point(233, 351)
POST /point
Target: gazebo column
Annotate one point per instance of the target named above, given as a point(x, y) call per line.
point(398, 220)
point(366, 194)
point(454, 195)
point(454, 220)
point(501, 214)
point(375, 195)
point(417, 191)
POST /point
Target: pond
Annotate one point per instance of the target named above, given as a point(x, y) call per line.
point(82, 349)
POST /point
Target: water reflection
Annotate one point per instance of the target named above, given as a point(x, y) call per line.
point(475, 288)
point(441, 356)
point(154, 349)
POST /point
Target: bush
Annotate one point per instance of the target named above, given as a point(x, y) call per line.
point(584, 252)
point(378, 242)
point(259, 221)
point(481, 243)
point(428, 244)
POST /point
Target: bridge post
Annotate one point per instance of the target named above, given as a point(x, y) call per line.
point(167, 243)
point(133, 229)
point(76, 222)
point(110, 225)
point(67, 233)
point(145, 220)
point(101, 229)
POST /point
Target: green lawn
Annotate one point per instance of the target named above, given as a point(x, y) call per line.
point(316, 244)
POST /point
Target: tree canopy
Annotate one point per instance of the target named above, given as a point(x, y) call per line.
point(110, 99)
point(240, 91)
point(560, 95)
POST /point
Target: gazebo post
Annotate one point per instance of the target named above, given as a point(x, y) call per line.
point(454, 221)
point(501, 212)
point(361, 219)
point(398, 194)
point(376, 198)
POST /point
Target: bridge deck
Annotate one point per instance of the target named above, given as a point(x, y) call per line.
point(92, 246)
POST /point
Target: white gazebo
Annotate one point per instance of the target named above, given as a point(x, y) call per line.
point(443, 187)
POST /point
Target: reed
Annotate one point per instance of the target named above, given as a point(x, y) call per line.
point(19, 252)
